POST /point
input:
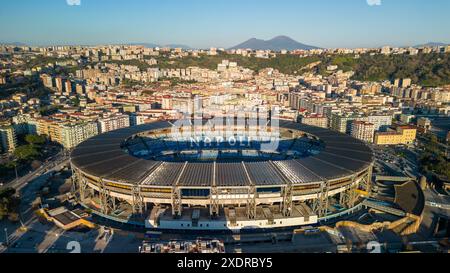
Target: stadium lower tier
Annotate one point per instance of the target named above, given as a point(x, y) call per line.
point(226, 208)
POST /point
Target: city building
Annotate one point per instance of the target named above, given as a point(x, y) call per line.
point(47, 80)
point(386, 50)
point(24, 124)
point(441, 96)
point(406, 119)
point(363, 130)
point(59, 84)
point(405, 83)
point(113, 123)
point(8, 139)
point(314, 120)
point(49, 128)
point(380, 122)
point(74, 134)
point(424, 123)
point(402, 135)
point(68, 87)
point(80, 89)
point(343, 123)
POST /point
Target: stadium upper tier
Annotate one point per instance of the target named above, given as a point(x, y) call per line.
point(148, 155)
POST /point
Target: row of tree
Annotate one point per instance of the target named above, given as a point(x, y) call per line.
point(433, 159)
point(9, 205)
point(24, 154)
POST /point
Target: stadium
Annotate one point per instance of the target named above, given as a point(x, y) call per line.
point(261, 175)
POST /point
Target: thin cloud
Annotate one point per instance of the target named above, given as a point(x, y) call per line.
point(73, 2)
point(374, 2)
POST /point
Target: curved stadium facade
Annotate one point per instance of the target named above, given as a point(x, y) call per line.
point(206, 183)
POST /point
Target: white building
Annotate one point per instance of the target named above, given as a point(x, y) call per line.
point(113, 123)
point(314, 120)
point(380, 122)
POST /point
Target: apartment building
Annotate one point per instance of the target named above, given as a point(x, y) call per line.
point(343, 123)
point(49, 128)
point(113, 123)
point(363, 130)
point(47, 80)
point(380, 122)
point(59, 84)
point(74, 134)
point(24, 124)
point(314, 120)
point(8, 141)
point(402, 135)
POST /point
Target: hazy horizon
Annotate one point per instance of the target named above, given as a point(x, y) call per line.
point(220, 23)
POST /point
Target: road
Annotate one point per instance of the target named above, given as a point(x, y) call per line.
point(388, 160)
point(27, 216)
point(20, 183)
point(437, 200)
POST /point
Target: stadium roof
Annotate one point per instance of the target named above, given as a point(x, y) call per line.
point(103, 156)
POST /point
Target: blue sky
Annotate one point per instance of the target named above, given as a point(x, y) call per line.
point(224, 23)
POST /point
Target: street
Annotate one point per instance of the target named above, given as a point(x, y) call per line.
point(28, 219)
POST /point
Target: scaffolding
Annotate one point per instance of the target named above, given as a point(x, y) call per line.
point(107, 204)
point(79, 185)
point(366, 181)
point(177, 205)
point(320, 205)
point(286, 207)
point(75, 182)
point(288, 192)
point(349, 197)
point(251, 202)
point(214, 197)
point(137, 201)
point(214, 202)
point(251, 196)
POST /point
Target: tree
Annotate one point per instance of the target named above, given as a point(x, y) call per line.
point(36, 164)
point(6, 168)
point(75, 101)
point(35, 139)
point(26, 152)
point(7, 193)
point(3, 210)
point(49, 110)
point(425, 69)
point(9, 204)
point(13, 217)
point(433, 158)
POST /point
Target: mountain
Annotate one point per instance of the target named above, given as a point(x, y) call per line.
point(276, 44)
point(148, 45)
point(185, 47)
point(13, 44)
point(431, 44)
